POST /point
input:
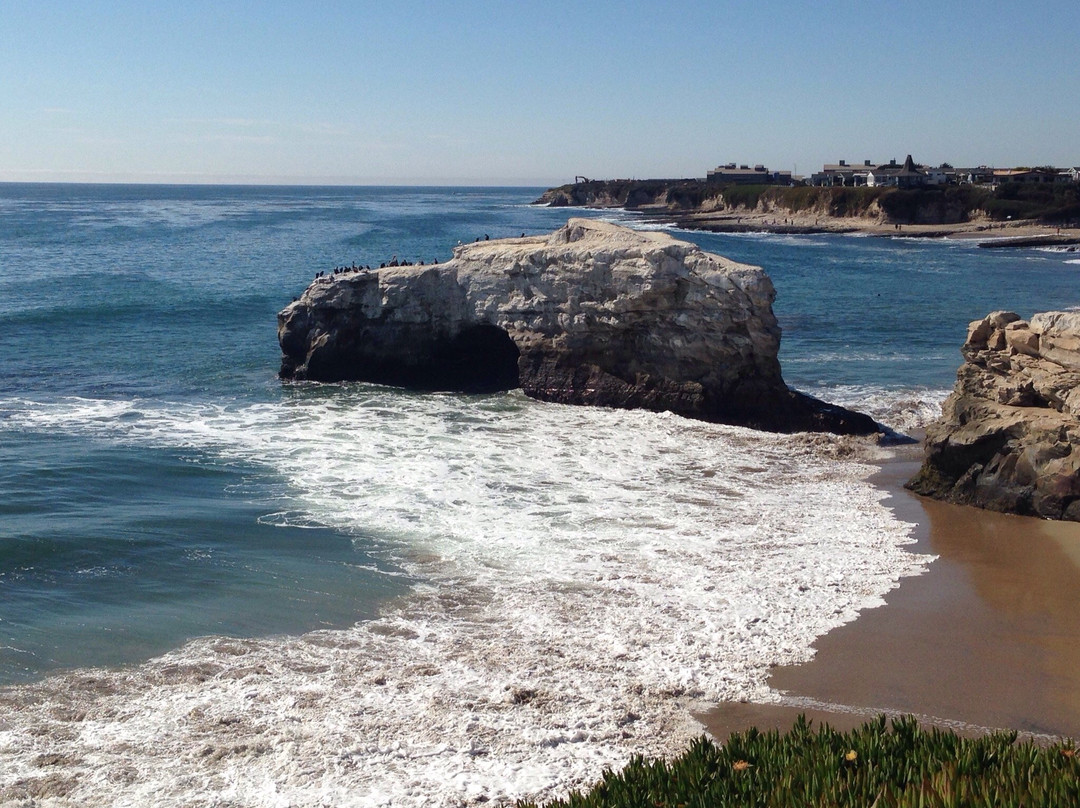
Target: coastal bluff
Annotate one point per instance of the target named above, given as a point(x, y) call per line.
point(592, 313)
point(1009, 436)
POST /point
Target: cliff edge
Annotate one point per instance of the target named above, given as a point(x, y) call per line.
point(592, 313)
point(1009, 435)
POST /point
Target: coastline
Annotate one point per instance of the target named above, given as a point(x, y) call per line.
point(1025, 233)
point(688, 205)
point(983, 640)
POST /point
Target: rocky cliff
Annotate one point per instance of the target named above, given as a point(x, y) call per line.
point(689, 202)
point(1009, 435)
point(679, 195)
point(590, 314)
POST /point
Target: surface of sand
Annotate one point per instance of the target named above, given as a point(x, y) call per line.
point(986, 639)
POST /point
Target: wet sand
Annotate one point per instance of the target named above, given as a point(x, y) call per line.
point(987, 638)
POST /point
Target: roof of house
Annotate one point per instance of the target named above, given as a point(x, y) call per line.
point(743, 170)
point(908, 169)
point(1014, 172)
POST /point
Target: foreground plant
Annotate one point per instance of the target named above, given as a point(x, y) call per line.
point(885, 764)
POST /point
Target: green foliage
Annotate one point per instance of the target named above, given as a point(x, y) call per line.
point(828, 201)
point(743, 196)
point(1049, 202)
point(946, 204)
point(880, 764)
point(804, 197)
point(839, 201)
point(852, 201)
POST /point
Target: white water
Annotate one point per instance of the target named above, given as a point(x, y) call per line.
point(905, 411)
point(589, 577)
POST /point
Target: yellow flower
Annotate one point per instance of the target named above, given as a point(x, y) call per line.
point(740, 765)
point(851, 756)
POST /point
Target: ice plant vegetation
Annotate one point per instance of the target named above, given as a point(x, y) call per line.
point(894, 764)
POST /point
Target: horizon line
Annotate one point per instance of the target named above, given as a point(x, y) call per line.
point(47, 176)
point(287, 184)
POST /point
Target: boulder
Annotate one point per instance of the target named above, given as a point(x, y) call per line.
point(592, 313)
point(1009, 435)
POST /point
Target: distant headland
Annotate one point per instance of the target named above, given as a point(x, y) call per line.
point(888, 199)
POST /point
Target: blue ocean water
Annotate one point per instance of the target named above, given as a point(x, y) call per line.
point(139, 404)
point(113, 548)
point(892, 313)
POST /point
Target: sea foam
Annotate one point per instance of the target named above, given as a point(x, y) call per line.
point(587, 578)
point(903, 410)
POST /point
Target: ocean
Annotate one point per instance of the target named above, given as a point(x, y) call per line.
point(219, 589)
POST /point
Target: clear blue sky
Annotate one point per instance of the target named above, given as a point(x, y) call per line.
point(504, 92)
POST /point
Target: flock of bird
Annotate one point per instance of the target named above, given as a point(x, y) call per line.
point(393, 262)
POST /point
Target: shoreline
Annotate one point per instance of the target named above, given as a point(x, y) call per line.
point(1021, 233)
point(983, 640)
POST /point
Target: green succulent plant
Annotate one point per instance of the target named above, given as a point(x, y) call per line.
point(882, 764)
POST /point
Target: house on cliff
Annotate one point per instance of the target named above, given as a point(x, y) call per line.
point(1026, 176)
point(982, 175)
point(841, 174)
point(893, 176)
point(731, 174)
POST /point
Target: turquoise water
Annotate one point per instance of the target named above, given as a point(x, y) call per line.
point(146, 493)
point(115, 546)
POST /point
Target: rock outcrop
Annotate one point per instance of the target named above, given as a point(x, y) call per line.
point(1009, 435)
point(675, 195)
point(593, 314)
point(696, 203)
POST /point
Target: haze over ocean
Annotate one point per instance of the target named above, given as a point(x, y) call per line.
point(407, 598)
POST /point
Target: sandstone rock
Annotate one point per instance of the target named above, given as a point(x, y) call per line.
point(1059, 337)
point(590, 314)
point(1021, 339)
point(1009, 435)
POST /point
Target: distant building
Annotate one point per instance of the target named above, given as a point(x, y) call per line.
point(893, 176)
point(982, 175)
point(836, 174)
point(942, 175)
point(731, 174)
point(1028, 176)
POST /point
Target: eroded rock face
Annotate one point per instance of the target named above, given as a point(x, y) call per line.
point(593, 313)
point(1009, 435)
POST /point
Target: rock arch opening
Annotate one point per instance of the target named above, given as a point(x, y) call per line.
point(480, 359)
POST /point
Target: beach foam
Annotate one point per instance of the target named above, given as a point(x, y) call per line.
point(588, 577)
point(904, 410)
point(787, 239)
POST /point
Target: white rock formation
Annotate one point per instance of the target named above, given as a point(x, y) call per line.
point(593, 313)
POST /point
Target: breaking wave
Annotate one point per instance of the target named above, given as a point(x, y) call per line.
point(586, 578)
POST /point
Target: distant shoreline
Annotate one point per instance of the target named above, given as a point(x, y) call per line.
point(955, 212)
point(1024, 233)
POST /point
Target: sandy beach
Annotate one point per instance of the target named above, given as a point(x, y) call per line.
point(797, 223)
point(986, 639)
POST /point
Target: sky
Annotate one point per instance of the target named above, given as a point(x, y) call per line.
point(486, 92)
